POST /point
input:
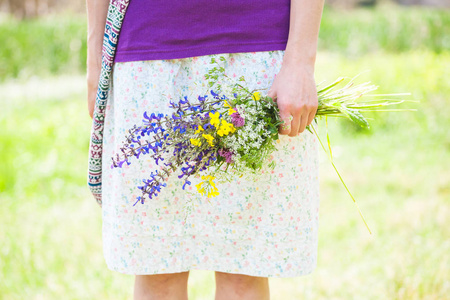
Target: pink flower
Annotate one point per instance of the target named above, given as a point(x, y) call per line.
point(227, 154)
point(237, 120)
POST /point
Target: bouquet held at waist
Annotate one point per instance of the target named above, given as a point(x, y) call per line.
point(232, 132)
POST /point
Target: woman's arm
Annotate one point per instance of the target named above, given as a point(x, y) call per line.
point(97, 11)
point(294, 86)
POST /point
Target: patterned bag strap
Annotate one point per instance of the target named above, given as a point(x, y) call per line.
point(116, 13)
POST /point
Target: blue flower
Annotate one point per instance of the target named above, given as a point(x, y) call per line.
point(185, 101)
point(186, 182)
point(214, 94)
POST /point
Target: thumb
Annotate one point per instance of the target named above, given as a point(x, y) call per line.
point(272, 94)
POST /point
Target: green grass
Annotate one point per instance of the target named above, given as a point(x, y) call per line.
point(398, 171)
point(51, 226)
point(386, 27)
point(52, 45)
point(57, 44)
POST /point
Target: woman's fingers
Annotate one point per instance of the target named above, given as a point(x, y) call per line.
point(285, 115)
point(303, 122)
point(295, 123)
point(297, 106)
point(285, 128)
point(302, 118)
point(311, 116)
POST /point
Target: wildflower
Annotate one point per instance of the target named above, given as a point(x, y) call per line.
point(256, 96)
point(232, 128)
point(237, 120)
point(210, 186)
point(214, 192)
point(225, 128)
point(215, 121)
point(200, 189)
point(226, 104)
point(209, 138)
point(200, 128)
point(196, 142)
point(230, 109)
point(208, 177)
point(228, 155)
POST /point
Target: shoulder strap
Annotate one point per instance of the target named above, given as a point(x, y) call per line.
point(116, 13)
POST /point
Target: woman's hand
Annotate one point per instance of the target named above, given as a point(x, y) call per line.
point(294, 90)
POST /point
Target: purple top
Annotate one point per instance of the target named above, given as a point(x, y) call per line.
point(164, 29)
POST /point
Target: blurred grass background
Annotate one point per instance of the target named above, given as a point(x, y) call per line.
point(50, 228)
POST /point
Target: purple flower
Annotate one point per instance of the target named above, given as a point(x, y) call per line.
point(237, 120)
point(161, 137)
point(228, 155)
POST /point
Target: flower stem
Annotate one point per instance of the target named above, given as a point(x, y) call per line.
point(331, 160)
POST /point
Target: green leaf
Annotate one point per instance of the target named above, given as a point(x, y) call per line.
point(356, 117)
point(276, 136)
point(272, 129)
point(336, 82)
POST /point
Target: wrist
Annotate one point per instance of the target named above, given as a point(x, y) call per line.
point(300, 57)
point(297, 60)
point(296, 65)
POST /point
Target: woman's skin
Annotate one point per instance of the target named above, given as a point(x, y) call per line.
point(97, 11)
point(294, 89)
point(294, 86)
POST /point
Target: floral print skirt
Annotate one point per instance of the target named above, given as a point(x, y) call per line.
point(266, 228)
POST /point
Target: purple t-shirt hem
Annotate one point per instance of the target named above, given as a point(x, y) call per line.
point(126, 56)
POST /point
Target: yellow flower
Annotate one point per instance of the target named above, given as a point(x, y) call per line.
point(215, 121)
point(209, 183)
point(226, 104)
point(208, 177)
point(226, 128)
point(200, 189)
point(221, 131)
point(200, 128)
point(230, 110)
point(196, 142)
point(209, 138)
point(256, 96)
point(213, 193)
point(232, 128)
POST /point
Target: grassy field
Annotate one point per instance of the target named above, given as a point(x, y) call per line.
point(398, 171)
point(57, 44)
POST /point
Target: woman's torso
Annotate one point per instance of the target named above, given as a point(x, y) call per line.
point(163, 29)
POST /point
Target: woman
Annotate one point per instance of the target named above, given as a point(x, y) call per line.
point(254, 230)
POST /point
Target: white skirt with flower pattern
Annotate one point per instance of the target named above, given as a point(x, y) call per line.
point(266, 228)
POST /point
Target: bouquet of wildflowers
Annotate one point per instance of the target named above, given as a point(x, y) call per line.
point(229, 132)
